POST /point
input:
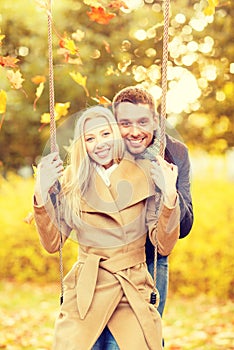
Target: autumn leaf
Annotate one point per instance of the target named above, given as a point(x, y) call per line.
point(80, 79)
point(29, 218)
point(3, 99)
point(117, 4)
point(15, 79)
point(8, 61)
point(210, 9)
point(102, 100)
point(60, 110)
point(78, 35)
point(69, 45)
point(37, 79)
point(1, 38)
point(38, 94)
point(99, 15)
point(43, 5)
point(107, 46)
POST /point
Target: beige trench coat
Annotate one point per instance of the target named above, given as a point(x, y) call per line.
point(110, 284)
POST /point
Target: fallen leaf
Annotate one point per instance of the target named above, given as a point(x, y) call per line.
point(15, 79)
point(8, 61)
point(99, 15)
point(3, 100)
point(101, 100)
point(38, 94)
point(60, 110)
point(80, 79)
point(117, 4)
point(29, 218)
point(37, 79)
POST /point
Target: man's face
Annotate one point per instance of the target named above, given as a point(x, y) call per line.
point(137, 124)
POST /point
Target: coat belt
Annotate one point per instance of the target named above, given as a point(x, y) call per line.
point(115, 265)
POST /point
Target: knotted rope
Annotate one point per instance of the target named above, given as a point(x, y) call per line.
point(162, 129)
point(53, 143)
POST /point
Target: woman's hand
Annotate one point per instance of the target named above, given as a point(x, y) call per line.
point(165, 175)
point(48, 171)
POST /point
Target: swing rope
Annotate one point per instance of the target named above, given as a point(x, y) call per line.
point(162, 131)
point(53, 143)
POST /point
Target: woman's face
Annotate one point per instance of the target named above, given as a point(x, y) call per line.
point(99, 140)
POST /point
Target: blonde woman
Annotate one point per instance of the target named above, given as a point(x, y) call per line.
point(107, 200)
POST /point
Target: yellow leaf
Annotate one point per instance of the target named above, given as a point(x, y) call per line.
point(29, 218)
point(93, 3)
point(3, 99)
point(2, 37)
point(70, 46)
point(15, 79)
point(45, 118)
point(210, 9)
point(80, 79)
point(61, 109)
point(40, 90)
point(34, 171)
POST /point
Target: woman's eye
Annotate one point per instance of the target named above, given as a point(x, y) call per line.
point(89, 139)
point(107, 133)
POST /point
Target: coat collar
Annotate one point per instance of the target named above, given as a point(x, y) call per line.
point(130, 184)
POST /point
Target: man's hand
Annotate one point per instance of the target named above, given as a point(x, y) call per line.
point(165, 175)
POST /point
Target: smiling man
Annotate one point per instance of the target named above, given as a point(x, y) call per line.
point(135, 111)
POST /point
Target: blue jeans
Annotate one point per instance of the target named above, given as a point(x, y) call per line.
point(106, 341)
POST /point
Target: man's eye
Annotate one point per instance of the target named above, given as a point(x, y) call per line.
point(125, 124)
point(143, 122)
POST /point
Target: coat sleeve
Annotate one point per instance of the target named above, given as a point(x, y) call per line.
point(164, 231)
point(183, 189)
point(51, 226)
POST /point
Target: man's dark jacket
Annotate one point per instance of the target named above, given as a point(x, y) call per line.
point(177, 153)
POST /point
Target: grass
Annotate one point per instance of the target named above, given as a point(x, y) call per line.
point(28, 312)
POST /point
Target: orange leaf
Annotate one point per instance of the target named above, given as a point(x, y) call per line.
point(38, 79)
point(15, 79)
point(100, 16)
point(8, 61)
point(102, 100)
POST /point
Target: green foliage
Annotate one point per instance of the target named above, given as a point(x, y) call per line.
point(200, 263)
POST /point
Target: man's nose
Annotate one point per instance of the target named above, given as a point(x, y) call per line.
point(134, 130)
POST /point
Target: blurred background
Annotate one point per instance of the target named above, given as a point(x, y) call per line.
point(99, 47)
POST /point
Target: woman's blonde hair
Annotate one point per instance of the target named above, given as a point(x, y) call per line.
point(79, 171)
